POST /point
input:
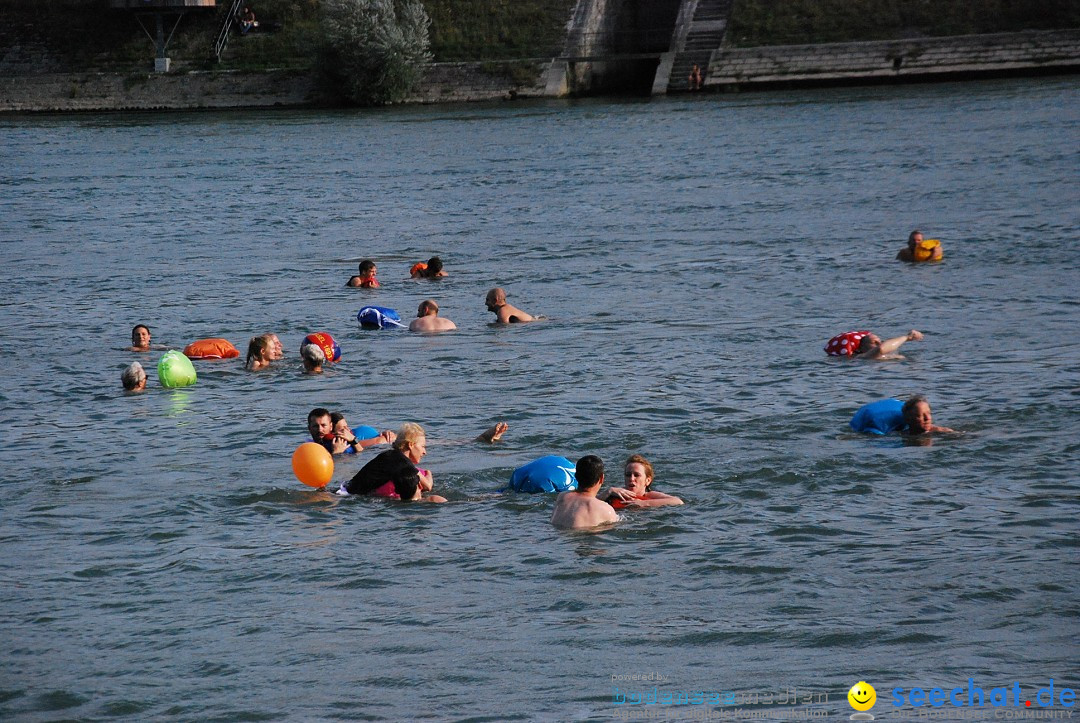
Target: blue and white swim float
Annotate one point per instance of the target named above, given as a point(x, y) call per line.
point(547, 474)
point(379, 317)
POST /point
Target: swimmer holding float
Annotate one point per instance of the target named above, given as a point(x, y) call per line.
point(638, 476)
point(868, 345)
point(919, 250)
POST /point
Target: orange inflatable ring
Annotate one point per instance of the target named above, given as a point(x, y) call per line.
point(211, 349)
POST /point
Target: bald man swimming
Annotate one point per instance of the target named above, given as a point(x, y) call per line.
point(504, 312)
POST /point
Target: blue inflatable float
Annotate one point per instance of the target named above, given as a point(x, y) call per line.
point(879, 417)
point(365, 432)
point(379, 317)
point(547, 474)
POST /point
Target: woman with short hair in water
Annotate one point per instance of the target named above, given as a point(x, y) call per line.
point(133, 378)
point(313, 358)
point(394, 473)
point(638, 475)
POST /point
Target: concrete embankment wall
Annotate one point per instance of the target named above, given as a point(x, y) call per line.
point(150, 91)
point(1057, 51)
point(443, 82)
point(922, 59)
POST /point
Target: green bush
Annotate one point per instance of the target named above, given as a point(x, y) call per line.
point(375, 50)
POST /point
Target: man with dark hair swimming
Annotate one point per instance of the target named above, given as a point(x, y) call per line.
point(579, 509)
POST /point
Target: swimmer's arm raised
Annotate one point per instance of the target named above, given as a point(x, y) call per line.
point(493, 434)
point(890, 345)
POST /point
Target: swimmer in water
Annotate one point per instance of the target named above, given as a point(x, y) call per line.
point(140, 340)
point(918, 420)
point(345, 442)
point(133, 378)
point(276, 350)
point(366, 276)
point(638, 475)
point(914, 239)
point(433, 269)
point(394, 473)
point(428, 319)
point(504, 312)
point(872, 347)
point(579, 509)
point(313, 358)
point(259, 353)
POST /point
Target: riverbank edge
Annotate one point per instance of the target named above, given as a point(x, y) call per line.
point(915, 60)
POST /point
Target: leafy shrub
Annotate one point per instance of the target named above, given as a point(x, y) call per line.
point(375, 50)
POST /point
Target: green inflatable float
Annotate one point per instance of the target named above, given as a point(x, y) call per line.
point(174, 370)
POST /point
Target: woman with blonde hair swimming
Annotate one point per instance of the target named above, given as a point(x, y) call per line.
point(638, 475)
point(259, 353)
point(393, 473)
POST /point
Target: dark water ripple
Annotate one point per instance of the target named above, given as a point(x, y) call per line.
point(160, 560)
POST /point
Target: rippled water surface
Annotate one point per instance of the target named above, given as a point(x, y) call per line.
point(159, 560)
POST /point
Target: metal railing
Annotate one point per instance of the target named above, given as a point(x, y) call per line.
point(222, 39)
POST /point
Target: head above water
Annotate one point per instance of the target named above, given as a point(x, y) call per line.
point(434, 266)
point(260, 348)
point(318, 423)
point(427, 307)
point(312, 356)
point(133, 377)
point(917, 415)
point(367, 268)
point(638, 474)
point(589, 471)
point(411, 441)
point(495, 298)
point(869, 342)
point(276, 350)
point(140, 336)
point(914, 239)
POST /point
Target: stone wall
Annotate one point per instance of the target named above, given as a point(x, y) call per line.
point(456, 82)
point(897, 59)
point(443, 82)
point(151, 91)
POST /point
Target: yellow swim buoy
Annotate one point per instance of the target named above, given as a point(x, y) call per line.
point(924, 250)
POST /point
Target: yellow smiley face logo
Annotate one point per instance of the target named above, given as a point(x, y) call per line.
point(862, 696)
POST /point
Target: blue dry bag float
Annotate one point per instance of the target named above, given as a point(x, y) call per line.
point(547, 474)
point(879, 417)
point(379, 317)
point(365, 432)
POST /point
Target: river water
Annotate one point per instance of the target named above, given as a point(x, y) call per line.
point(158, 559)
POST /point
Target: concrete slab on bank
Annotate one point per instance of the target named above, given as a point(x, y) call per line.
point(913, 59)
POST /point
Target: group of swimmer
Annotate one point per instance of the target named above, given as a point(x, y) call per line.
point(265, 349)
point(394, 473)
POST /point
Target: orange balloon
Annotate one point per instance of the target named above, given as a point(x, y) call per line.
point(312, 464)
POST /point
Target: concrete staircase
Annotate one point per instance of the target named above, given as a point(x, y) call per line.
point(705, 34)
